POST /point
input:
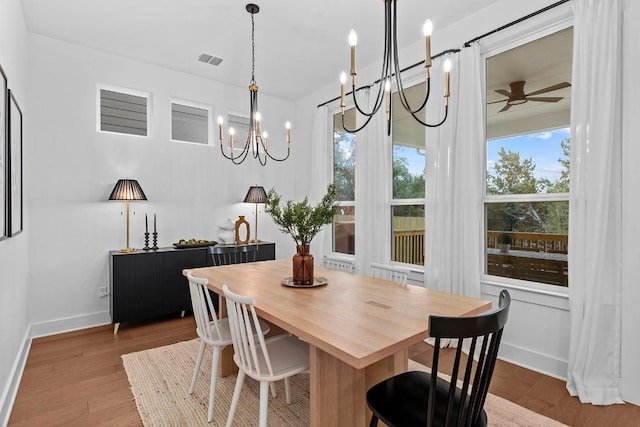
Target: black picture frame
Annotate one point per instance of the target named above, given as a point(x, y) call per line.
point(4, 170)
point(15, 205)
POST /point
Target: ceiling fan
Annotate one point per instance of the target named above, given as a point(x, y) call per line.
point(517, 95)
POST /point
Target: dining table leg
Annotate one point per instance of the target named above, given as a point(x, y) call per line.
point(338, 390)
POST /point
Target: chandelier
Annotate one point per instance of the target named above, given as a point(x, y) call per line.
point(256, 140)
point(390, 70)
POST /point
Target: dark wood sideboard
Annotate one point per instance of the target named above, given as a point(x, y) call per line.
point(148, 284)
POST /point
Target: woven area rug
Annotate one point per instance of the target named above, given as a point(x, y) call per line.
point(160, 380)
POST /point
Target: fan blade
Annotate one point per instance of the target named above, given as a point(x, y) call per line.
point(550, 88)
point(503, 92)
point(505, 108)
point(496, 102)
point(545, 99)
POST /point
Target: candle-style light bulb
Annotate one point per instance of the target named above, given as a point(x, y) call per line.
point(232, 132)
point(427, 29)
point(447, 65)
point(353, 38)
point(287, 126)
point(353, 41)
point(343, 81)
point(258, 116)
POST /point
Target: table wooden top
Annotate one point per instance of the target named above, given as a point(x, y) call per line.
point(357, 319)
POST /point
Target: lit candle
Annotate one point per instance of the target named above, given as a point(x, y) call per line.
point(146, 224)
point(447, 78)
point(343, 81)
point(427, 29)
point(288, 127)
point(154, 223)
point(353, 41)
point(220, 134)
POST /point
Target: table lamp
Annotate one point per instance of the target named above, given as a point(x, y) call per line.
point(127, 190)
point(256, 194)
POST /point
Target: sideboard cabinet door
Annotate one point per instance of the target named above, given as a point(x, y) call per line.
point(136, 288)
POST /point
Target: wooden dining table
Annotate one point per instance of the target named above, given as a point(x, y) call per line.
point(359, 328)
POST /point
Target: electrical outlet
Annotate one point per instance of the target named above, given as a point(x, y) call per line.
point(103, 291)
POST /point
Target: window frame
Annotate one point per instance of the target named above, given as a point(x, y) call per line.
point(339, 203)
point(528, 31)
point(409, 81)
point(210, 115)
point(125, 91)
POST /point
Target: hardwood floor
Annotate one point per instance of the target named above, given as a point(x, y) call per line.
point(77, 379)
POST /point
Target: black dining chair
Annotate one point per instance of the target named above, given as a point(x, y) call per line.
point(226, 255)
point(425, 399)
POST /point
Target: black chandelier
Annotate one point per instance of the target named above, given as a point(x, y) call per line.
point(256, 140)
point(391, 68)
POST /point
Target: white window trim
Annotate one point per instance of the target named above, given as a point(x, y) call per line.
point(210, 115)
point(127, 91)
point(552, 21)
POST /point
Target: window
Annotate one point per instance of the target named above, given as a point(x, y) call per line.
point(344, 176)
point(407, 205)
point(123, 111)
point(527, 153)
point(191, 122)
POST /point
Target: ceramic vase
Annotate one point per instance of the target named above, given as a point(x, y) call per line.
point(226, 232)
point(238, 227)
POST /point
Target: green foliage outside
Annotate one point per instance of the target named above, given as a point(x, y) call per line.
point(514, 175)
point(405, 184)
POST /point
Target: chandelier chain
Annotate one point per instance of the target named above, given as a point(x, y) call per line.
point(253, 52)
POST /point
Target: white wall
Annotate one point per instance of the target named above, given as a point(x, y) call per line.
point(72, 170)
point(13, 251)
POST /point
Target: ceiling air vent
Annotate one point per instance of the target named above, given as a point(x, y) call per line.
point(209, 59)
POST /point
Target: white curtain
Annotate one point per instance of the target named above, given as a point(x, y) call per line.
point(453, 209)
point(373, 188)
point(594, 206)
point(321, 158)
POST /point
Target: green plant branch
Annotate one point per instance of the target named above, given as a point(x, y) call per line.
point(301, 220)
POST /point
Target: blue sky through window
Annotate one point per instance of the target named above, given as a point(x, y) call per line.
point(542, 147)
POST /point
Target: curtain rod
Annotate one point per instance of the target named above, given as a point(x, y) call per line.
point(517, 21)
point(402, 71)
point(467, 44)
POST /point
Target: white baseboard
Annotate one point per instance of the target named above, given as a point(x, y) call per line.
point(543, 363)
point(11, 388)
point(69, 324)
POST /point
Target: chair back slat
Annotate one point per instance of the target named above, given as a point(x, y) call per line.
point(248, 340)
point(204, 311)
point(233, 254)
point(466, 400)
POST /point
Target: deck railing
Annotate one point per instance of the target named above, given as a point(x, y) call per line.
point(537, 242)
point(408, 246)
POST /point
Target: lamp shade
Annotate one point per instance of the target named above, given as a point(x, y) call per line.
point(127, 189)
point(256, 194)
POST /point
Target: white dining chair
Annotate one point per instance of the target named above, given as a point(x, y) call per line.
point(212, 331)
point(338, 263)
point(390, 272)
point(264, 360)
